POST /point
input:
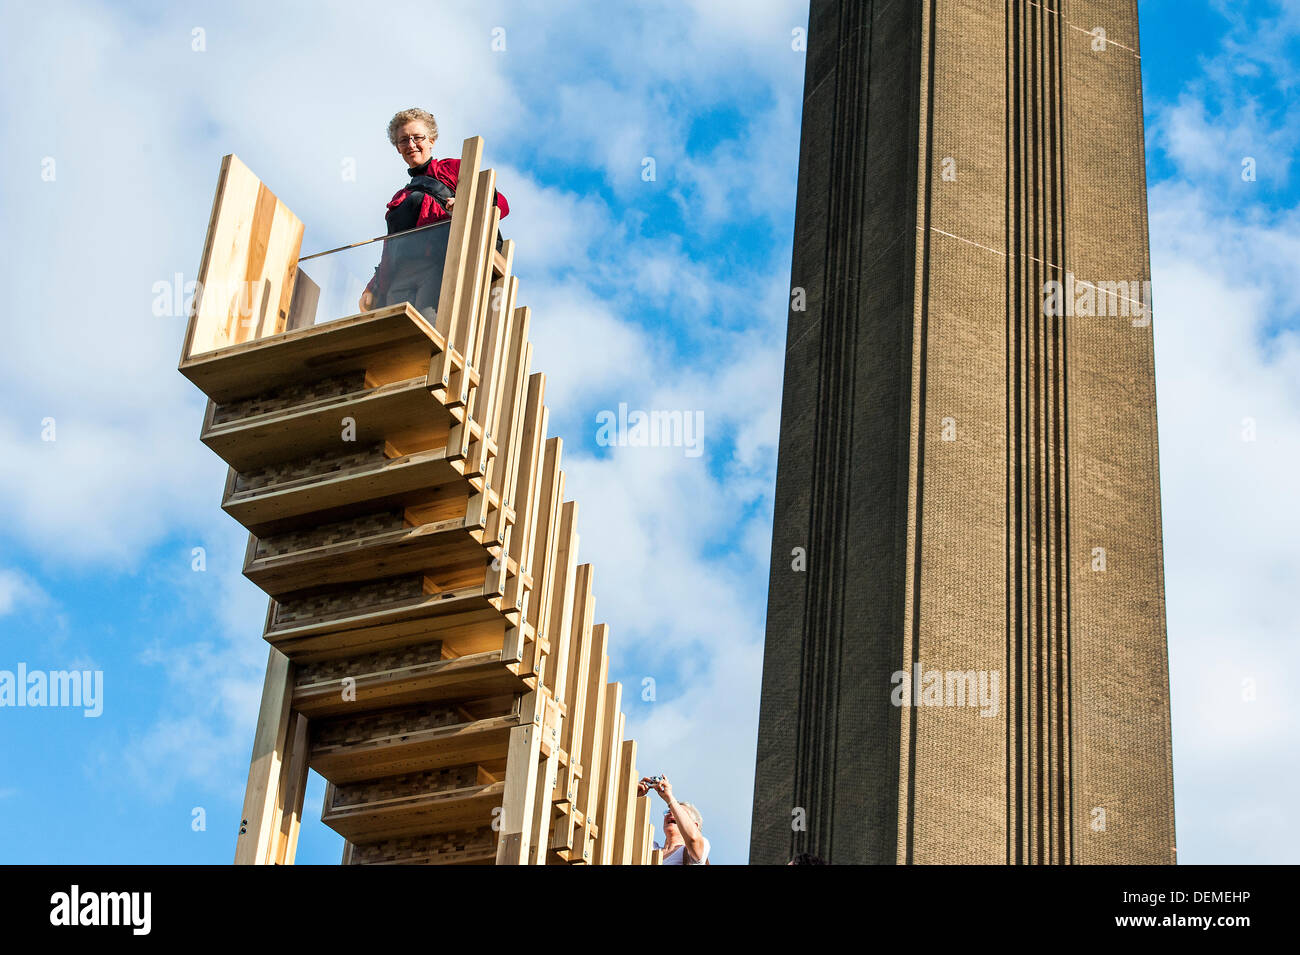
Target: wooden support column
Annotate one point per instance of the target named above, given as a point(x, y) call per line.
point(293, 787)
point(611, 761)
point(642, 830)
point(259, 823)
point(517, 804)
point(625, 826)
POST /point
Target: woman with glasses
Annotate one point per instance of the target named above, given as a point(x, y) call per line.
point(684, 842)
point(410, 269)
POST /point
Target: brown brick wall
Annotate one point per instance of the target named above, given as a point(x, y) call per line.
point(925, 316)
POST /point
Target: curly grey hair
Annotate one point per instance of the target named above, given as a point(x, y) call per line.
point(411, 115)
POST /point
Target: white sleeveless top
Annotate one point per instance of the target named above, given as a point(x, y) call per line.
point(679, 855)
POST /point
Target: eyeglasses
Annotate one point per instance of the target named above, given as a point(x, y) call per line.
point(413, 140)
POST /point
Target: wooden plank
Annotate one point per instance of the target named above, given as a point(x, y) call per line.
point(403, 413)
point(549, 766)
point(611, 745)
point(514, 845)
point(457, 264)
point(346, 633)
point(464, 857)
point(442, 544)
point(593, 719)
point(413, 751)
point(625, 804)
point(575, 622)
point(250, 257)
point(258, 821)
point(511, 416)
point(441, 681)
point(474, 345)
point(395, 340)
point(477, 265)
point(415, 813)
point(522, 489)
point(559, 604)
point(550, 492)
point(492, 354)
point(507, 391)
point(317, 499)
point(293, 786)
point(641, 831)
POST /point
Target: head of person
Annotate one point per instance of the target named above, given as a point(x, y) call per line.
point(413, 133)
point(670, 823)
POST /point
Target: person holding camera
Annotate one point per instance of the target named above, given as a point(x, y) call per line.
point(684, 842)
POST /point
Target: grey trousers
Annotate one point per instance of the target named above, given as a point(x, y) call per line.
point(417, 271)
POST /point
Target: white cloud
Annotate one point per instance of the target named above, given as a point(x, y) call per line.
point(1226, 362)
point(17, 589)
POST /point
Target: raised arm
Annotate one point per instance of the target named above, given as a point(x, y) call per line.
point(686, 825)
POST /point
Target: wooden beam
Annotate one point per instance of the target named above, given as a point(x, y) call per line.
point(559, 606)
point(250, 257)
point(550, 491)
point(641, 830)
point(258, 822)
point(576, 623)
point(626, 804)
point(293, 786)
point(593, 719)
point(517, 805)
point(454, 286)
point(611, 746)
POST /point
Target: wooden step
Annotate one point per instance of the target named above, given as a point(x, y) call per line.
point(394, 337)
point(479, 741)
point(402, 413)
point(394, 482)
point(457, 847)
point(401, 551)
point(465, 857)
point(414, 814)
point(400, 624)
point(461, 678)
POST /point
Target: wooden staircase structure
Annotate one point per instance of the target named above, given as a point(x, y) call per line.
point(434, 652)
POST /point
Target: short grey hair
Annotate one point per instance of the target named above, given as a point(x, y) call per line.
point(694, 813)
point(412, 115)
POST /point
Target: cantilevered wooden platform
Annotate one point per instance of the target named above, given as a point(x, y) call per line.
point(433, 646)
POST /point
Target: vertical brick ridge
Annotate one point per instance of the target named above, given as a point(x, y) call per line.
point(926, 161)
point(1039, 754)
point(823, 614)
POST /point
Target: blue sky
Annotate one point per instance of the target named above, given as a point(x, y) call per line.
point(667, 294)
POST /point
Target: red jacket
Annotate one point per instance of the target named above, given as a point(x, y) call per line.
point(431, 210)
